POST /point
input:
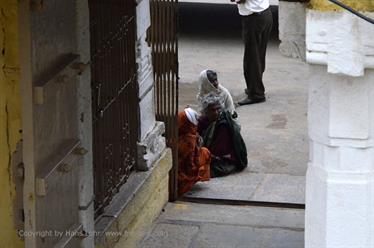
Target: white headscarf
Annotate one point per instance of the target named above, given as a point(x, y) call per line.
point(206, 87)
point(192, 115)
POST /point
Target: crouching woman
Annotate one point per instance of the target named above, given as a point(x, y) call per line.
point(193, 160)
point(221, 135)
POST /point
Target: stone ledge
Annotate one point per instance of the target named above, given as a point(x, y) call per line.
point(135, 207)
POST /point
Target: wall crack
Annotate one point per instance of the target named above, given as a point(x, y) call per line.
point(2, 24)
point(7, 128)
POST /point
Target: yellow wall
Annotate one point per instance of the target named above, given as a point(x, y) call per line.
point(325, 5)
point(137, 217)
point(10, 117)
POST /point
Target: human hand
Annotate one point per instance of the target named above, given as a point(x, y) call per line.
point(215, 157)
point(199, 141)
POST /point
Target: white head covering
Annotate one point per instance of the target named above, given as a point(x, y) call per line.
point(206, 87)
point(192, 115)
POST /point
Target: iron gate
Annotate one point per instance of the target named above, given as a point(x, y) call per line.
point(163, 38)
point(115, 104)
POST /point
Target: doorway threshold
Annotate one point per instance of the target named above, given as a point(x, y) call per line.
point(235, 202)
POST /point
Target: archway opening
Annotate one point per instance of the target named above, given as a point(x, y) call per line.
point(275, 132)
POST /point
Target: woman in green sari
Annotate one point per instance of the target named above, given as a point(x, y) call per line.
point(221, 135)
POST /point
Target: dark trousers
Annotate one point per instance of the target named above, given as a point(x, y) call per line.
point(256, 29)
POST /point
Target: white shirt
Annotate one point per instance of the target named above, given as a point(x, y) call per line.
point(251, 6)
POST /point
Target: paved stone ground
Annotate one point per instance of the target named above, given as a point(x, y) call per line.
point(275, 131)
point(192, 225)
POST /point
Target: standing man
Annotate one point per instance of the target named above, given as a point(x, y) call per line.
point(257, 22)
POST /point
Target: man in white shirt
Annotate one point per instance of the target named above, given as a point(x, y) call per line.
point(257, 22)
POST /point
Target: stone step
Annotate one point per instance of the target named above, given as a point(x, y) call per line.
point(279, 188)
point(202, 225)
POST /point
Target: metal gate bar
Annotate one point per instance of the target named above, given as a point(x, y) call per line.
point(164, 42)
point(114, 96)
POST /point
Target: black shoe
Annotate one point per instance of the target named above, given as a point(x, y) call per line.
point(248, 101)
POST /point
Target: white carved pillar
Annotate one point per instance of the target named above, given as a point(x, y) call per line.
point(152, 143)
point(340, 176)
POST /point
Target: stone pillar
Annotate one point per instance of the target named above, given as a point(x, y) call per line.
point(86, 182)
point(292, 28)
point(340, 176)
point(151, 144)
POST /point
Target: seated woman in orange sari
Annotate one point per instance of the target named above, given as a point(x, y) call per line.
point(194, 160)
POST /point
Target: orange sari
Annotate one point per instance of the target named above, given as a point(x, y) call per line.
point(194, 161)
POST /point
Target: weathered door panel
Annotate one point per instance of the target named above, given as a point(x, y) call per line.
point(164, 42)
point(115, 103)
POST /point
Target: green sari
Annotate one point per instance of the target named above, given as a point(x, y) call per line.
point(221, 166)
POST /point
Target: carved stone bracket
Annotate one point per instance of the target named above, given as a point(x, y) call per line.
point(341, 41)
point(151, 148)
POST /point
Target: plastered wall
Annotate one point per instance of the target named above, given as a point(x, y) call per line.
point(10, 118)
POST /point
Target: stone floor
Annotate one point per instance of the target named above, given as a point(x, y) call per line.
point(191, 225)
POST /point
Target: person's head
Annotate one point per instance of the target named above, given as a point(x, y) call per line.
point(207, 82)
point(212, 77)
point(192, 115)
point(211, 106)
point(187, 121)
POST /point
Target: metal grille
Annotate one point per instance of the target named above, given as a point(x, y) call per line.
point(115, 105)
point(163, 38)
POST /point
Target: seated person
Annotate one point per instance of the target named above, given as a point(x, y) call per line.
point(221, 135)
point(193, 160)
point(208, 83)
